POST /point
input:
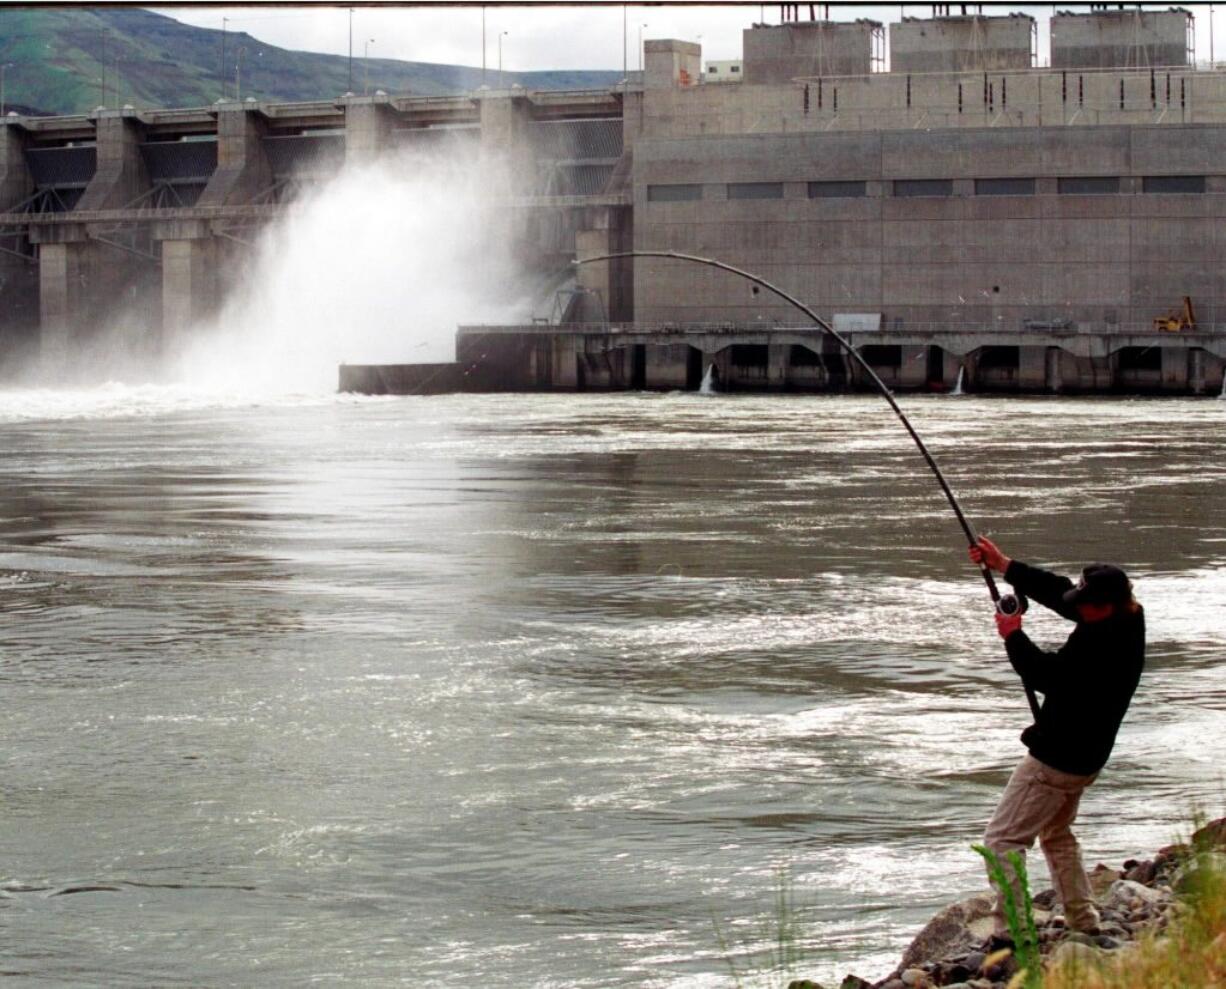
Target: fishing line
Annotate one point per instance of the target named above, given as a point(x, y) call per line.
point(1008, 604)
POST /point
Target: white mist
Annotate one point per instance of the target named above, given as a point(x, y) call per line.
point(378, 265)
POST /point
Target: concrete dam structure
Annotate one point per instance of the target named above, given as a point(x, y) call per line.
point(953, 208)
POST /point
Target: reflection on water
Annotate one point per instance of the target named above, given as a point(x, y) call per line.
point(541, 690)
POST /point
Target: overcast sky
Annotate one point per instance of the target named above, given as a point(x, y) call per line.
point(566, 37)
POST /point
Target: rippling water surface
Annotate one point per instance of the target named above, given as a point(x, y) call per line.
point(553, 690)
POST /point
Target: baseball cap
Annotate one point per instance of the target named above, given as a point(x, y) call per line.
point(1101, 583)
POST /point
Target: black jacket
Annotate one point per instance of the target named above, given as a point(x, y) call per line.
point(1086, 685)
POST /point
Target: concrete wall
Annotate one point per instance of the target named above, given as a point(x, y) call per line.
point(960, 44)
point(1109, 38)
point(1101, 262)
point(780, 53)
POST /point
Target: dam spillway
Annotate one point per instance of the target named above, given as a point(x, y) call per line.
point(963, 190)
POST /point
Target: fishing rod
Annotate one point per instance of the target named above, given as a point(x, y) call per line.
point(1008, 604)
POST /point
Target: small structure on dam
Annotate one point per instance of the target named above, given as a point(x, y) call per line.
point(1025, 224)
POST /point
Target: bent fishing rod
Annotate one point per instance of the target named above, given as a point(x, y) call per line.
point(1008, 604)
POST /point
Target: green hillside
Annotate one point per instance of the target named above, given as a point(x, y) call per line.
point(62, 60)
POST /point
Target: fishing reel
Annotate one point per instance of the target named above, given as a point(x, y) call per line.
point(1012, 604)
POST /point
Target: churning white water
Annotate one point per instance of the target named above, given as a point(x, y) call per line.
point(708, 381)
point(376, 266)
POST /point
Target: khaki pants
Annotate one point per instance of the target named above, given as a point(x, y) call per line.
point(1041, 802)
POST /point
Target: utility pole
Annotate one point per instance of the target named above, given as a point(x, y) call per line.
point(238, 74)
point(349, 88)
point(641, 26)
point(503, 34)
point(366, 66)
point(483, 44)
point(102, 102)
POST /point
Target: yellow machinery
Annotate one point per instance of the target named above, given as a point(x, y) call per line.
point(1183, 319)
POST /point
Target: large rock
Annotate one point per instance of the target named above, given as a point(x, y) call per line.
point(956, 930)
point(1128, 897)
point(1212, 835)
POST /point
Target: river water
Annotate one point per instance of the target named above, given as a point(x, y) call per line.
point(555, 690)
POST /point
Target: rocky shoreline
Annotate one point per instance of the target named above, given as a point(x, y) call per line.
point(954, 950)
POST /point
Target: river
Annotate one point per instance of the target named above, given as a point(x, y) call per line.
point(555, 691)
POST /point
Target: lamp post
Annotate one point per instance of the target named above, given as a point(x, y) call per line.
point(221, 76)
point(641, 26)
point(3, 66)
point(118, 84)
point(501, 35)
point(349, 88)
point(238, 74)
point(366, 66)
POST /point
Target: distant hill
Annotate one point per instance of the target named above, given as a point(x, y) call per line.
point(61, 60)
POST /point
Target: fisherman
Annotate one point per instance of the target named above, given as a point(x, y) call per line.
point(1086, 685)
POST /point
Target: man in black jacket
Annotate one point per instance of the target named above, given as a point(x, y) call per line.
point(1086, 686)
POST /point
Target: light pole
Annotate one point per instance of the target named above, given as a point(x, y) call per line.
point(483, 44)
point(641, 26)
point(501, 35)
point(366, 66)
point(221, 76)
point(118, 83)
point(3, 66)
point(349, 88)
point(238, 74)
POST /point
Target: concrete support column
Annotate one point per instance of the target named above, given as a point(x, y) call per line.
point(18, 277)
point(243, 170)
point(1174, 369)
point(65, 290)
point(566, 358)
point(667, 366)
point(951, 366)
point(368, 128)
point(121, 175)
point(1196, 370)
point(913, 369)
point(16, 183)
point(506, 148)
point(1055, 370)
point(189, 286)
point(778, 360)
point(1032, 368)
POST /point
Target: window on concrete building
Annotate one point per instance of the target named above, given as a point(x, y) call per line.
point(923, 187)
point(735, 68)
point(836, 190)
point(755, 190)
point(1090, 185)
point(1004, 187)
point(712, 69)
point(1173, 183)
point(673, 193)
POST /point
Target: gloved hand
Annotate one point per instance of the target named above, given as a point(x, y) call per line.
point(1006, 625)
point(986, 551)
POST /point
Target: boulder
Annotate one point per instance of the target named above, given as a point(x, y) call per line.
point(1212, 835)
point(954, 931)
point(1127, 896)
point(1101, 879)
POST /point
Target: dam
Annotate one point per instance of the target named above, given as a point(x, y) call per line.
point(951, 204)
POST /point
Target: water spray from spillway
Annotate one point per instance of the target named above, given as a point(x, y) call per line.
point(376, 266)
